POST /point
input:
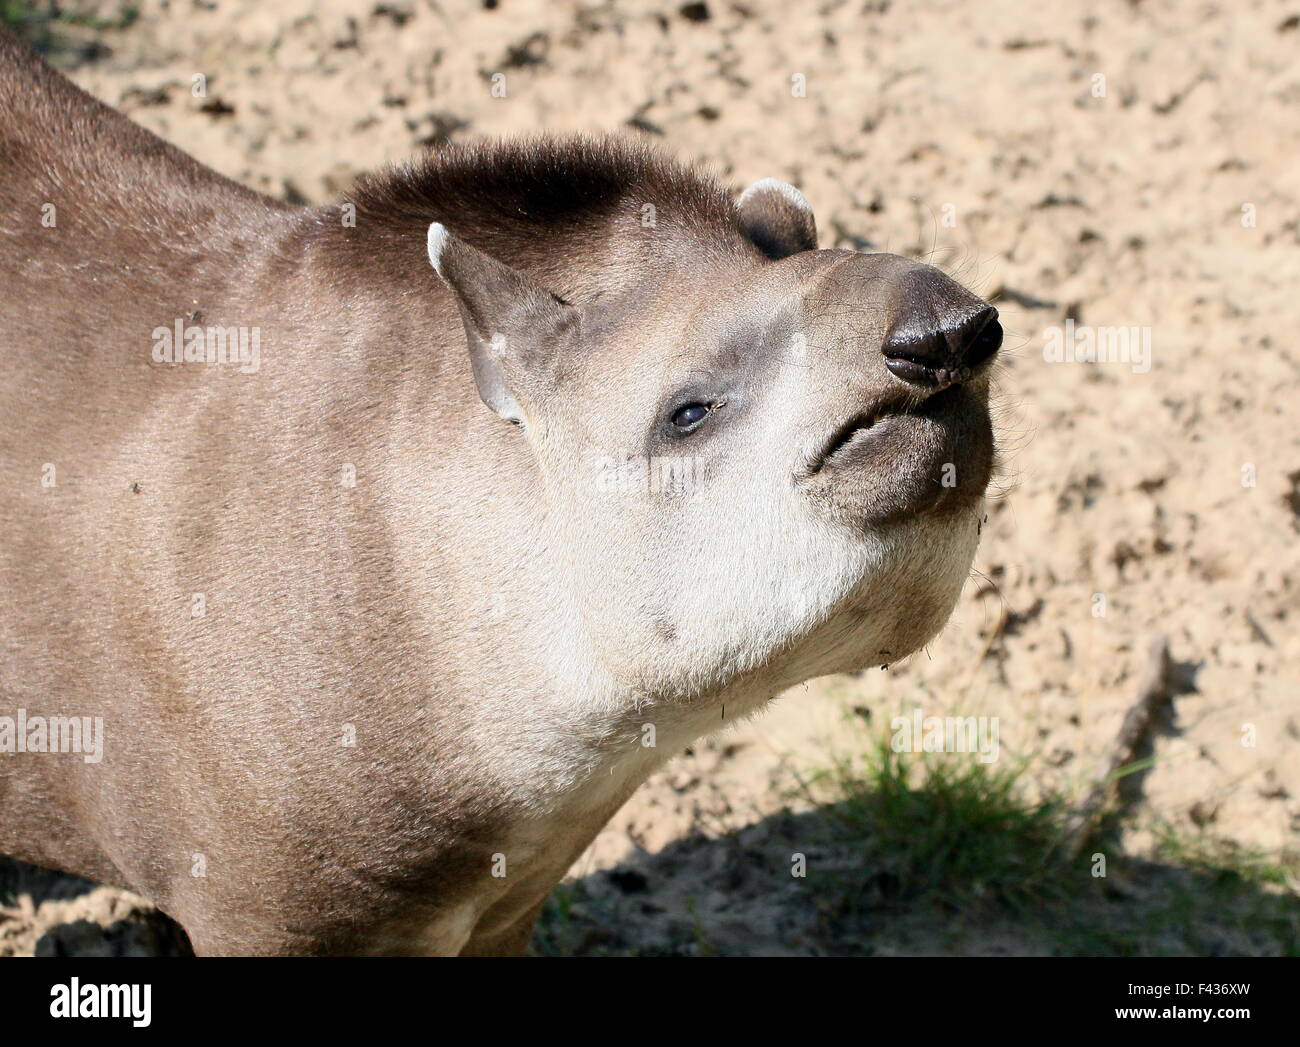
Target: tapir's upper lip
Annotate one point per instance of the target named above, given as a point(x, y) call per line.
point(872, 418)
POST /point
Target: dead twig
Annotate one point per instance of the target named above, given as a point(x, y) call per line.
point(1153, 693)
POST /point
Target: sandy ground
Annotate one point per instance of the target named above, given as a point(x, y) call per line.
point(1111, 163)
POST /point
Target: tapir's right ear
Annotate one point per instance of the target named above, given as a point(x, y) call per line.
point(513, 324)
point(777, 218)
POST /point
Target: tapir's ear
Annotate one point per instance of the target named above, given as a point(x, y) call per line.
point(513, 323)
point(777, 218)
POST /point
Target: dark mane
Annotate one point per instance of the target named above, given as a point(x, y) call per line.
point(523, 196)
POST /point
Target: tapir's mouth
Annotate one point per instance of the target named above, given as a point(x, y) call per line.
point(874, 424)
point(905, 456)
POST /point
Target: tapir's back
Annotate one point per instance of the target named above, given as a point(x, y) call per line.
point(100, 220)
point(56, 137)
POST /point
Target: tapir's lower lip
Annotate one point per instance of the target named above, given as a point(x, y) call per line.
point(905, 459)
point(876, 424)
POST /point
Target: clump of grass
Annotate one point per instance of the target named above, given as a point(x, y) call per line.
point(934, 836)
point(941, 828)
point(1228, 863)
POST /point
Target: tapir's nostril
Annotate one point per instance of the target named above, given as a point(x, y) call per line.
point(923, 352)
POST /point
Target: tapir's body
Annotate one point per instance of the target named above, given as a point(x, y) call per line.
point(353, 698)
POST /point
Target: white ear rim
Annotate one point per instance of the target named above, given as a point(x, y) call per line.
point(437, 243)
point(776, 185)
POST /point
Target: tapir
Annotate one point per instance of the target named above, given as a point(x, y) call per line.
point(383, 548)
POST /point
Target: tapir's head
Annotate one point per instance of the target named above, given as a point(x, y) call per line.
point(768, 458)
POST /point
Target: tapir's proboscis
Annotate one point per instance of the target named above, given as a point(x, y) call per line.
point(386, 547)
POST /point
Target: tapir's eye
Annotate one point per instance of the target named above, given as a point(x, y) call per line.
point(690, 416)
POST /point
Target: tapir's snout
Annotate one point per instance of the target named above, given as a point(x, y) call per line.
point(907, 428)
point(941, 334)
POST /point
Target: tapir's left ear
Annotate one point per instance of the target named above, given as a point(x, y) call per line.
point(515, 327)
point(777, 218)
